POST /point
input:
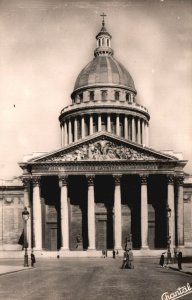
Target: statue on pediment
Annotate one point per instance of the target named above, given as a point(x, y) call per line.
point(102, 150)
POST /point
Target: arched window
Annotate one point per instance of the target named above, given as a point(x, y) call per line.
point(103, 95)
point(91, 95)
point(108, 42)
point(81, 97)
point(116, 95)
point(103, 41)
point(99, 42)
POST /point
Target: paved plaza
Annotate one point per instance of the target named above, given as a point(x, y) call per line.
point(90, 279)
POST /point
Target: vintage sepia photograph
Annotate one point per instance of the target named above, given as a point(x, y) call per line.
point(96, 149)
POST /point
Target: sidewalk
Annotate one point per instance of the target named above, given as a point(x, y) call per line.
point(186, 268)
point(4, 269)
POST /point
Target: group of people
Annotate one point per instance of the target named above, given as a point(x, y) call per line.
point(178, 257)
point(127, 260)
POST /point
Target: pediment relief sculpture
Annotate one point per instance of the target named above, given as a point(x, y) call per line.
point(101, 150)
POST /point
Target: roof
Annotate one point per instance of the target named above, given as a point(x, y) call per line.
point(104, 70)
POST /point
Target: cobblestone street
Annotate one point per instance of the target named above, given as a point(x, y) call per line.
point(92, 279)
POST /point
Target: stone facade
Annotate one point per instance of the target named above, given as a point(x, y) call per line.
point(105, 186)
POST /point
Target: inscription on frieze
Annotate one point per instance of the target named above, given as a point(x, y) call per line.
point(95, 168)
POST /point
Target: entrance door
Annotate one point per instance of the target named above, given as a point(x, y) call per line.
point(101, 238)
point(53, 239)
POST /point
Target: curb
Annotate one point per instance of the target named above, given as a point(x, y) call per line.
point(181, 271)
point(15, 271)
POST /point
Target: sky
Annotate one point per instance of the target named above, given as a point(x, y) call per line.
point(44, 44)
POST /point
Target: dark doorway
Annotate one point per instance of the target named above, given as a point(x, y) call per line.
point(50, 196)
point(104, 194)
point(131, 209)
point(157, 195)
point(78, 211)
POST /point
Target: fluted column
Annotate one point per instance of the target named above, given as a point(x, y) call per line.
point(147, 134)
point(129, 128)
point(117, 213)
point(75, 129)
point(126, 127)
point(27, 204)
point(171, 204)
point(180, 212)
point(37, 213)
point(90, 124)
point(109, 123)
point(99, 122)
point(82, 127)
point(133, 129)
point(144, 213)
point(143, 132)
point(91, 212)
point(64, 213)
point(117, 125)
point(65, 134)
point(62, 135)
point(138, 131)
point(70, 131)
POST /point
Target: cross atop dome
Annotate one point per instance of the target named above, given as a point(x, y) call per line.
point(103, 22)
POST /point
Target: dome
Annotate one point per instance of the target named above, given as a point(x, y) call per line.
point(104, 71)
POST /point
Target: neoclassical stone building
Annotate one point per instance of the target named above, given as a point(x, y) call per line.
point(105, 183)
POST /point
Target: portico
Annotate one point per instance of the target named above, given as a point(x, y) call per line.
point(104, 200)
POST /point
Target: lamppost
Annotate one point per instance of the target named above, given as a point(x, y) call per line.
point(25, 216)
point(169, 260)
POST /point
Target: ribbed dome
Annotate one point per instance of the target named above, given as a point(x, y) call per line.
point(104, 70)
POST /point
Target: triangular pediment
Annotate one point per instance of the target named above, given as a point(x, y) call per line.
point(103, 147)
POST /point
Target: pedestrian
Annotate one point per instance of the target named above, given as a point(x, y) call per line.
point(125, 259)
point(114, 253)
point(33, 260)
point(125, 256)
point(162, 260)
point(130, 261)
point(179, 260)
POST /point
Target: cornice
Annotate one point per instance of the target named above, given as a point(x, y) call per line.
point(99, 168)
point(99, 107)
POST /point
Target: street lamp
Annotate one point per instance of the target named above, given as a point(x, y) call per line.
point(25, 216)
point(169, 260)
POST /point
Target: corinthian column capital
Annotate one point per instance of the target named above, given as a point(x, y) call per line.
point(90, 179)
point(36, 180)
point(170, 179)
point(180, 180)
point(143, 179)
point(26, 182)
point(63, 180)
point(117, 179)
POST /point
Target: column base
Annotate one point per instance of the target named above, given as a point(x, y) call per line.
point(64, 249)
point(144, 247)
point(119, 248)
point(37, 249)
point(91, 249)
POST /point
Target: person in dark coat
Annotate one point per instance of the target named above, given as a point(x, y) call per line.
point(33, 260)
point(162, 260)
point(130, 261)
point(125, 259)
point(179, 260)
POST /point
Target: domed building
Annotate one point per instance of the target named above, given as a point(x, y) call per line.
point(105, 189)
